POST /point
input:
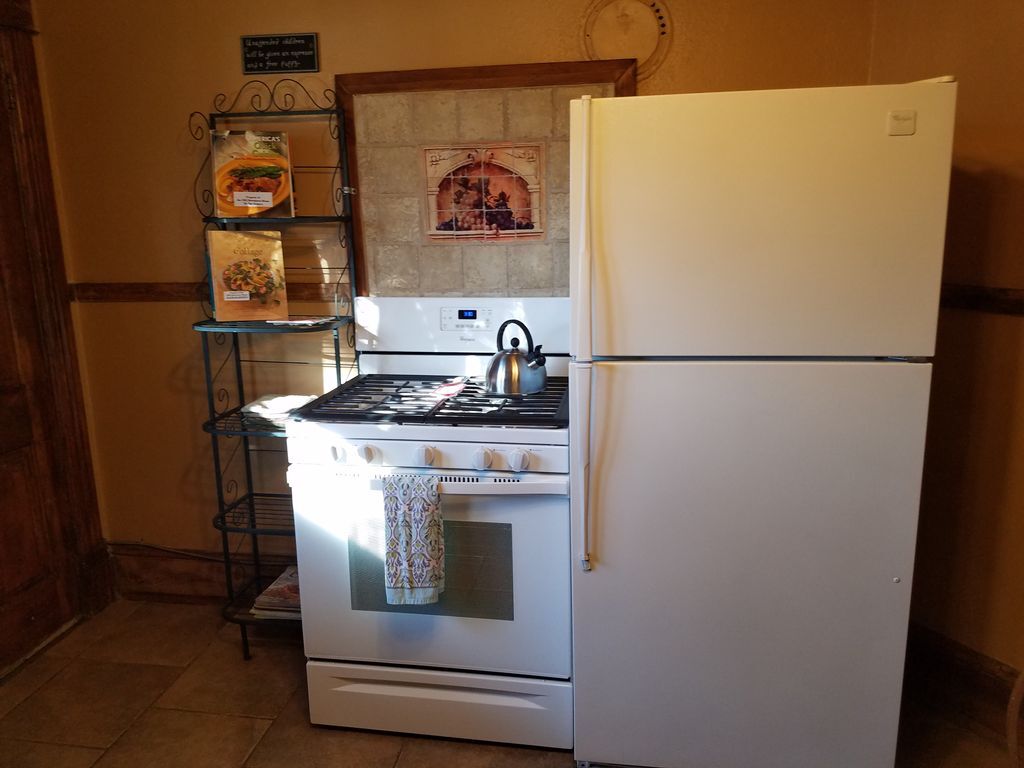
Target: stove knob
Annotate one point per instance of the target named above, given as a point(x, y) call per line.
point(338, 454)
point(365, 452)
point(519, 460)
point(424, 455)
point(482, 458)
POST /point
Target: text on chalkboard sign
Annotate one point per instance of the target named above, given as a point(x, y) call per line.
point(262, 54)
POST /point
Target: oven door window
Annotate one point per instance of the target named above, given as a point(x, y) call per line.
point(478, 574)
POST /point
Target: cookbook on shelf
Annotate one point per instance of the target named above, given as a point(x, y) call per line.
point(251, 174)
point(247, 275)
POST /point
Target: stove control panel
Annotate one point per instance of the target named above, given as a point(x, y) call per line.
point(327, 448)
point(466, 319)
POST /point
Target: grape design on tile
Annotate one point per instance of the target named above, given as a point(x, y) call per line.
point(484, 192)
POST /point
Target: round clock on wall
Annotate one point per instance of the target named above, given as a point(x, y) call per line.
point(628, 29)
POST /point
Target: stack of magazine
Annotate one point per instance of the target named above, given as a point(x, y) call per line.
point(281, 599)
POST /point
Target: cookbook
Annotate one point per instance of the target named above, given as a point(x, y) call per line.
point(251, 174)
point(247, 275)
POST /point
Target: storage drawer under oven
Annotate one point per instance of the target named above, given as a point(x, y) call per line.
point(452, 704)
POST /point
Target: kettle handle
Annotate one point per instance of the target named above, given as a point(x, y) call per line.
point(501, 335)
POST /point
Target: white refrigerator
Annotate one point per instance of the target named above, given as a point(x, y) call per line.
point(755, 281)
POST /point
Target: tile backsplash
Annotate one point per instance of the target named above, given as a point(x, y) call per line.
point(392, 132)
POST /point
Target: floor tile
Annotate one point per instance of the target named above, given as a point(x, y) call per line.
point(92, 629)
point(445, 753)
point(221, 681)
point(27, 680)
point(165, 738)
point(171, 634)
point(28, 754)
point(88, 703)
point(287, 633)
point(93, 687)
point(292, 742)
point(527, 757)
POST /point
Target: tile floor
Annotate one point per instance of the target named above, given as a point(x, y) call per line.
point(164, 685)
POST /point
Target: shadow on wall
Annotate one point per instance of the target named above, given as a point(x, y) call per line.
point(972, 201)
point(970, 429)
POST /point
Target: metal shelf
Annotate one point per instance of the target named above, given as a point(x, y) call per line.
point(265, 326)
point(263, 514)
point(275, 220)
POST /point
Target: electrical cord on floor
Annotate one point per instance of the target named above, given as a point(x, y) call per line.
point(1013, 721)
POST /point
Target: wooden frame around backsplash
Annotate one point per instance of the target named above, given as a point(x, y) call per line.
point(620, 72)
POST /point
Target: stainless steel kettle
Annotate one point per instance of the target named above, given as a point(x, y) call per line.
point(514, 372)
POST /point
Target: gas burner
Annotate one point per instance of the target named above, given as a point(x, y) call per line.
point(441, 400)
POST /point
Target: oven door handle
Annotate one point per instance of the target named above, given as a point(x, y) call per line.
point(552, 487)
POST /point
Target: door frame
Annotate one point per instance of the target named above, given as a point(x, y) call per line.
point(81, 551)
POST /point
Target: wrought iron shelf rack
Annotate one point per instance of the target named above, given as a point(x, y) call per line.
point(226, 221)
point(245, 512)
point(267, 514)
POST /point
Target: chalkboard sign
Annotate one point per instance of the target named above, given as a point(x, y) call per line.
point(263, 54)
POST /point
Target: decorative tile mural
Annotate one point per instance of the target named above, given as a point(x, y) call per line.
point(439, 170)
point(484, 192)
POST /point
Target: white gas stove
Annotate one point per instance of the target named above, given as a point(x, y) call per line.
point(491, 659)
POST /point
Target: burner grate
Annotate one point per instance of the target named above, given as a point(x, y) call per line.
point(438, 400)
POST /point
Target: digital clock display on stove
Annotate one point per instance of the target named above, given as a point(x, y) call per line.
point(473, 320)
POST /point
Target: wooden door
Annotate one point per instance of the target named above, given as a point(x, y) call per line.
point(53, 564)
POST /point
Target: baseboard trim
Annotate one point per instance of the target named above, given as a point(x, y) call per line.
point(960, 682)
point(96, 579)
point(143, 572)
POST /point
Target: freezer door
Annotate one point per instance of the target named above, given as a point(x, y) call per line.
point(804, 222)
point(751, 540)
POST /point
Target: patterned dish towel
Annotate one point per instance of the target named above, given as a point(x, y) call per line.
point(414, 536)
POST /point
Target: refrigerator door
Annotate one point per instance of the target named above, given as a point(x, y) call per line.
point(719, 223)
point(751, 540)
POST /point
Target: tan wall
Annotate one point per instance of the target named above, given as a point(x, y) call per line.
point(970, 575)
point(120, 79)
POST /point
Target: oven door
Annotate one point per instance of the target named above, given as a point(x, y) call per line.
point(505, 607)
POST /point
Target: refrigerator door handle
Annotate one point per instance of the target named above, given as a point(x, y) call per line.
point(582, 317)
point(579, 462)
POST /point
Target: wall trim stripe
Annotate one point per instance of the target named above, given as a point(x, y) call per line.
point(977, 298)
point(104, 293)
point(980, 298)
